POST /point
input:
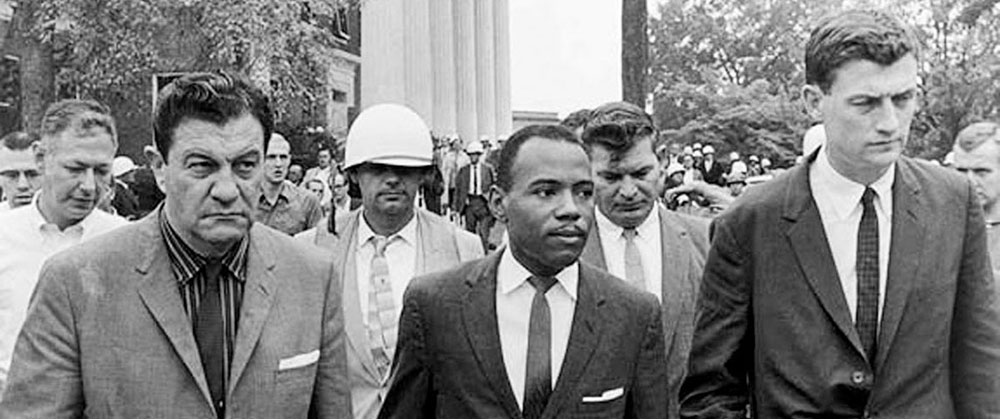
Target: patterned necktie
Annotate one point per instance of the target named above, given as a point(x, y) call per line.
point(538, 371)
point(382, 322)
point(634, 274)
point(475, 179)
point(209, 332)
point(867, 271)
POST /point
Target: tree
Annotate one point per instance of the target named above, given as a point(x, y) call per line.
point(109, 49)
point(635, 51)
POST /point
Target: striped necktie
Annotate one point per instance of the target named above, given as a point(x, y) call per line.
point(382, 321)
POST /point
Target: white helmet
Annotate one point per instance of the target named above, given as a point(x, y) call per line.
point(121, 165)
point(474, 147)
point(389, 134)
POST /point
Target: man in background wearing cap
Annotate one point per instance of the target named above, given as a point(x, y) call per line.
point(472, 184)
point(77, 146)
point(977, 155)
point(19, 174)
point(125, 203)
point(282, 205)
point(385, 243)
point(634, 238)
point(711, 170)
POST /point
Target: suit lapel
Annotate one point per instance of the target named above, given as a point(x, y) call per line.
point(677, 291)
point(344, 251)
point(904, 250)
point(258, 296)
point(809, 243)
point(159, 292)
point(593, 251)
point(480, 320)
point(584, 337)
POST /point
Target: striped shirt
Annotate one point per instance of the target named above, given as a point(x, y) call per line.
point(187, 266)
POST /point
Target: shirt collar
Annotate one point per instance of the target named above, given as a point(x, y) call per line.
point(408, 233)
point(648, 227)
point(847, 193)
point(511, 274)
point(284, 192)
point(186, 263)
point(38, 219)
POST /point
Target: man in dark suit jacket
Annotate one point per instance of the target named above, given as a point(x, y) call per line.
point(193, 312)
point(529, 332)
point(667, 251)
point(710, 168)
point(857, 284)
point(468, 199)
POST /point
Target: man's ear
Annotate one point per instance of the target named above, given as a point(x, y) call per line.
point(39, 151)
point(812, 95)
point(498, 203)
point(158, 164)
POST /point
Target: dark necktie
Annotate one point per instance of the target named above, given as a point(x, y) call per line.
point(867, 271)
point(538, 374)
point(209, 333)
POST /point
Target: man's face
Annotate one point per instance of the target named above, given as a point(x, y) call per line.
point(295, 173)
point(76, 169)
point(388, 189)
point(276, 160)
point(474, 157)
point(209, 180)
point(867, 114)
point(338, 185)
point(19, 175)
point(982, 166)
point(687, 161)
point(736, 188)
point(549, 207)
point(627, 185)
point(316, 188)
point(324, 159)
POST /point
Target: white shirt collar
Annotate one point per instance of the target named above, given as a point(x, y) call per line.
point(647, 229)
point(837, 185)
point(39, 221)
point(511, 275)
point(408, 234)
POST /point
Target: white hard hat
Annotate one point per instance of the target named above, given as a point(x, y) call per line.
point(474, 147)
point(121, 165)
point(389, 134)
point(708, 149)
point(674, 168)
point(813, 139)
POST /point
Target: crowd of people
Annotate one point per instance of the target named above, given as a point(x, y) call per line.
point(584, 269)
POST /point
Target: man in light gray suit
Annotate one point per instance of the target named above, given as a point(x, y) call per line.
point(633, 238)
point(194, 311)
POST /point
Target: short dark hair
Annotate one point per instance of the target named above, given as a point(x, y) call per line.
point(855, 35)
point(616, 126)
point(508, 153)
point(576, 119)
point(213, 97)
point(18, 141)
point(77, 114)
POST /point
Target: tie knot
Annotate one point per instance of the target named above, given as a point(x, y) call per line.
point(380, 243)
point(868, 197)
point(542, 283)
point(629, 234)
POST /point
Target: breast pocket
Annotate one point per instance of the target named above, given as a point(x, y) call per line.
point(603, 402)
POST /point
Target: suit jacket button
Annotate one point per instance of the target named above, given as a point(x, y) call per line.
point(858, 377)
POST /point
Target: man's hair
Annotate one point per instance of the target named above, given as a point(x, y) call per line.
point(213, 97)
point(617, 126)
point(576, 119)
point(18, 141)
point(314, 180)
point(972, 136)
point(855, 35)
point(508, 153)
point(76, 114)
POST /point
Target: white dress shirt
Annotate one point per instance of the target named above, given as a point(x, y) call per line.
point(401, 255)
point(514, 295)
point(647, 240)
point(475, 179)
point(839, 202)
point(26, 241)
point(5, 206)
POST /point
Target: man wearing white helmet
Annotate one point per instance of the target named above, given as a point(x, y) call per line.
point(472, 184)
point(711, 170)
point(388, 153)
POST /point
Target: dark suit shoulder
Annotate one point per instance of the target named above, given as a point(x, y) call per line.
point(695, 227)
point(450, 281)
point(935, 178)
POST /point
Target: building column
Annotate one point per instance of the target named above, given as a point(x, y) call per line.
point(501, 29)
point(485, 71)
point(383, 76)
point(465, 70)
point(443, 67)
point(417, 59)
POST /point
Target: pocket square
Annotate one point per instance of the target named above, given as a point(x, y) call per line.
point(298, 360)
point(607, 396)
